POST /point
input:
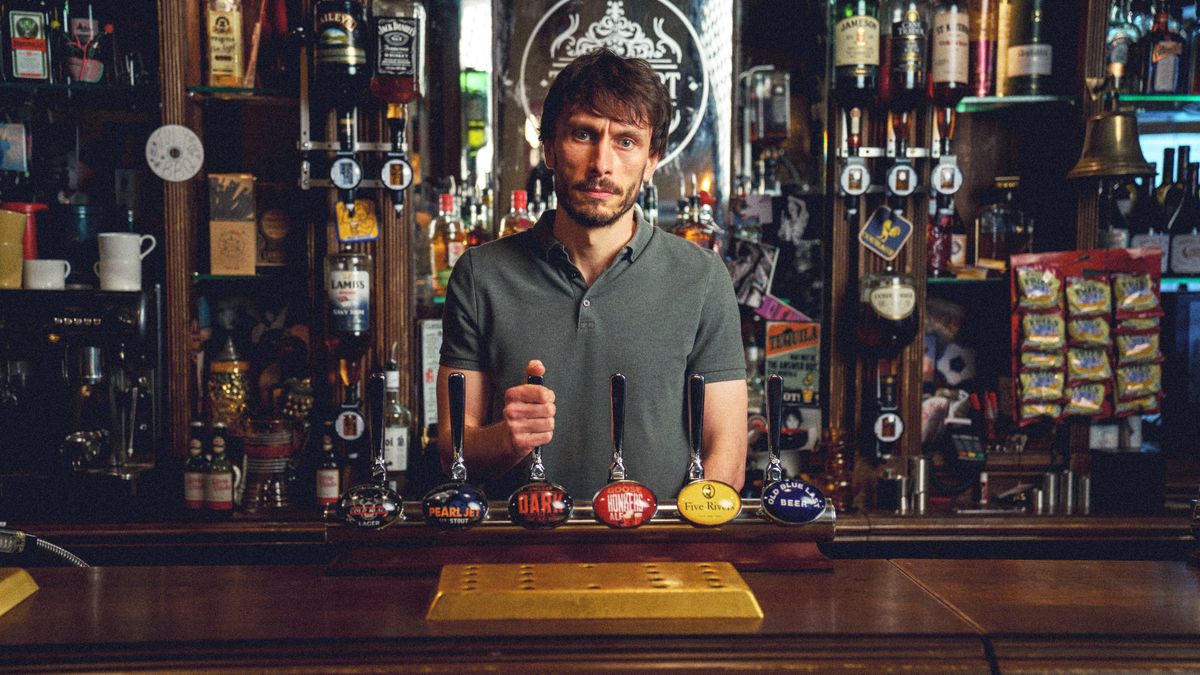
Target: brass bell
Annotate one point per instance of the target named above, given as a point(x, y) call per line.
point(1111, 147)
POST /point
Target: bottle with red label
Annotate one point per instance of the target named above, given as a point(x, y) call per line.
point(218, 486)
point(195, 471)
point(939, 239)
point(28, 52)
point(329, 487)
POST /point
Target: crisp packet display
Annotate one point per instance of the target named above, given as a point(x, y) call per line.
point(1038, 288)
point(1088, 296)
point(1044, 332)
point(1137, 348)
point(1138, 380)
point(1089, 331)
point(1042, 360)
point(1088, 365)
point(1042, 385)
point(1134, 295)
point(1089, 399)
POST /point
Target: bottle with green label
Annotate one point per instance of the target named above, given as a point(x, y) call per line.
point(28, 51)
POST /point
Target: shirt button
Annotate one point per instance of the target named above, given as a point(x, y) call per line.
point(587, 302)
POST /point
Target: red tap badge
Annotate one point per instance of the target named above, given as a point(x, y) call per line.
point(624, 504)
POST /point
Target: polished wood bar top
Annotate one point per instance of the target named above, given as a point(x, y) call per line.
point(937, 615)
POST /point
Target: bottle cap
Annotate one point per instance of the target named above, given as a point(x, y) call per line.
point(520, 200)
point(446, 202)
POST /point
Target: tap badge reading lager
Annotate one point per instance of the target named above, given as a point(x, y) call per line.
point(622, 503)
point(455, 505)
point(704, 502)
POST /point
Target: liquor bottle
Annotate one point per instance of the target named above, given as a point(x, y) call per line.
point(341, 72)
point(399, 51)
point(348, 288)
point(1141, 16)
point(940, 239)
point(397, 428)
point(517, 219)
point(1185, 232)
point(950, 53)
point(983, 47)
point(1004, 25)
point(28, 50)
point(649, 199)
point(906, 39)
point(1146, 222)
point(1030, 57)
point(1168, 176)
point(1114, 228)
point(218, 486)
point(1121, 47)
point(998, 222)
point(1173, 195)
point(481, 231)
point(223, 19)
point(82, 44)
point(195, 469)
point(856, 51)
point(887, 319)
point(446, 244)
point(1166, 56)
point(698, 227)
point(329, 487)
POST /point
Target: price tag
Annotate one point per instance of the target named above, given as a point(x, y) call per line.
point(885, 233)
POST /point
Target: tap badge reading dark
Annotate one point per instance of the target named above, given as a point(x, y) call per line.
point(539, 505)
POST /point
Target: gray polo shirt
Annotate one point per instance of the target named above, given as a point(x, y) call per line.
point(663, 310)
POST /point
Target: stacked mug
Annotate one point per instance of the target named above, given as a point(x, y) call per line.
point(120, 264)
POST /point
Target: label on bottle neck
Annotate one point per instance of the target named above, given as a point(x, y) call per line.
point(328, 489)
point(339, 40)
point(908, 43)
point(193, 489)
point(350, 300)
point(857, 41)
point(218, 491)
point(30, 50)
point(1161, 242)
point(893, 302)
point(398, 39)
point(395, 447)
point(951, 47)
point(1185, 253)
point(1031, 59)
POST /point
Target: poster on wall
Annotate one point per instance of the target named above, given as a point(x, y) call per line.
point(793, 351)
point(688, 43)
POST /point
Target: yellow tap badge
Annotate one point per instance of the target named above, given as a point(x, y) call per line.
point(708, 503)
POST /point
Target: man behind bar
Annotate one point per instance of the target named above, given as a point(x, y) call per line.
point(591, 290)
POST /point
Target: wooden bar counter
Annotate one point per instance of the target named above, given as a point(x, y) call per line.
point(871, 615)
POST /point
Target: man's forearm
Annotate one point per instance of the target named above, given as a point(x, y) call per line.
point(485, 451)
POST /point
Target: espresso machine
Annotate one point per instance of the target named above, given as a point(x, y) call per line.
point(81, 400)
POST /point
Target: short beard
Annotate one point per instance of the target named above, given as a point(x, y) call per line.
point(593, 218)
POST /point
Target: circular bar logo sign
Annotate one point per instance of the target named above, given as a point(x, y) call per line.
point(661, 35)
point(792, 502)
point(708, 503)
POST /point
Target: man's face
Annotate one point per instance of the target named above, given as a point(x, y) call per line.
point(599, 165)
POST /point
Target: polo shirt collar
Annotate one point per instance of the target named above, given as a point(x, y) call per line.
point(553, 249)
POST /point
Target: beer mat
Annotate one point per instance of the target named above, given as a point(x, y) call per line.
point(677, 591)
point(15, 586)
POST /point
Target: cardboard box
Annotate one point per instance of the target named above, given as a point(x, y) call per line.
point(232, 223)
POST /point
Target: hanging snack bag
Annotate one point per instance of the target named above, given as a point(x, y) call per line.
point(1135, 295)
point(1042, 385)
point(1138, 348)
point(1039, 289)
point(1091, 331)
point(1088, 365)
point(1142, 324)
point(1088, 296)
point(1042, 360)
point(1145, 405)
point(1089, 399)
point(1138, 380)
point(1043, 332)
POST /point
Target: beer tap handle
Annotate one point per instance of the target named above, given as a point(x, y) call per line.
point(457, 386)
point(377, 394)
point(616, 387)
point(537, 470)
point(696, 425)
point(774, 470)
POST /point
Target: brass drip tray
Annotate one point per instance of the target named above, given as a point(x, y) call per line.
point(684, 591)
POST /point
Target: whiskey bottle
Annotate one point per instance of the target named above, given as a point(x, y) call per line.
point(348, 289)
point(195, 469)
point(902, 74)
point(1030, 58)
point(447, 243)
point(328, 473)
point(517, 219)
point(1146, 222)
point(856, 52)
point(27, 44)
point(1166, 56)
point(223, 19)
point(950, 53)
point(399, 50)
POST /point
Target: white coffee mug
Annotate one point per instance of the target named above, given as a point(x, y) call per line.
point(119, 275)
point(125, 245)
point(46, 274)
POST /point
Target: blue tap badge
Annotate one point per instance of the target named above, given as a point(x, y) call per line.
point(885, 233)
point(454, 506)
point(792, 502)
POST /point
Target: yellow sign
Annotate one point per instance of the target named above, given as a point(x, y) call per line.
point(360, 225)
point(708, 503)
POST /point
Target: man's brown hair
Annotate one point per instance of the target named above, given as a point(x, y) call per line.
point(604, 84)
